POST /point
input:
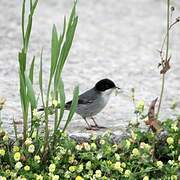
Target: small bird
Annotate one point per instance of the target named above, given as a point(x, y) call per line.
point(93, 101)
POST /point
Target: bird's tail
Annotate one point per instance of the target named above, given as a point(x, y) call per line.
point(41, 109)
point(50, 108)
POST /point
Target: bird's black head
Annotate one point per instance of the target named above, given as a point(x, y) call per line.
point(104, 85)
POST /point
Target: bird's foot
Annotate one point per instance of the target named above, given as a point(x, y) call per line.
point(99, 127)
point(94, 128)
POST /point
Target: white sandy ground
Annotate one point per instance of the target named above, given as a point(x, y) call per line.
point(114, 39)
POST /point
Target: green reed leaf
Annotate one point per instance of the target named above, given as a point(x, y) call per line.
point(30, 92)
point(73, 107)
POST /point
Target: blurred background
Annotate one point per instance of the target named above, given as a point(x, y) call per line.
point(114, 39)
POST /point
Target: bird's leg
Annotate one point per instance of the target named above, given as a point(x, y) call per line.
point(96, 125)
point(89, 126)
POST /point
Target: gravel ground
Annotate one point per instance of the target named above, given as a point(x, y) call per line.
point(113, 39)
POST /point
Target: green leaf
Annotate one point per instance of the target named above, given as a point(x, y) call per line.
point(31, 72)
point(41, 79)
point(22, 61)
point(24, 100)
point(54, 50)
point(22, 19)
point(73, 107)
point(62, 101)
point(29, 26)
point(30, 92)
point(66, 44)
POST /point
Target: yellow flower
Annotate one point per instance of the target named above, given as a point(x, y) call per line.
point(170, 140)
point(37, 158)
point(23, 178)
point(146, 178)
point(98, 173)
point(55, 103)
point(174, 177)
point(171, 162)
point(2, 178)
point(39, 177)
point(8, 172)
point(135, 152)
point(28, 141)
point(71, 158)
point(52, 168)
point(86, 146)
point(18, 165)
point(145, 146)
point(2, 152)
point(55, 177)
point(109, 162)
point(159, 164)
point(127, 173)
point(140, 106)
point(15, 148)
point(26, 168)
point(117, 166)
point(31, 148)
point(174, 126)
point(17, 156)
point(6, 137)
point(123, 164)
point(102, 141)
point(79, 178)
point(79, 147)
point(72, 168)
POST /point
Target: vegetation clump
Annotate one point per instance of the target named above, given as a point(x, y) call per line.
point(43, 154)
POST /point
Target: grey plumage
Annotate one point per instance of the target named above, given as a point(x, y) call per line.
point(91, 102)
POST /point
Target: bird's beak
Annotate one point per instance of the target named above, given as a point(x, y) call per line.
point(117, 88)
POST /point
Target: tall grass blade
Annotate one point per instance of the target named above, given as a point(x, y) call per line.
point(31, 77)
point(22, 23)
point(29, 26)
point(30, 92)
point(73, 107)
point(31, 71)
point(54, 50)
point(62, 101)
point(41, 79)
point(67, 43)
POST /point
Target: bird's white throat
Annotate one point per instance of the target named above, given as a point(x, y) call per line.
point(106, 94)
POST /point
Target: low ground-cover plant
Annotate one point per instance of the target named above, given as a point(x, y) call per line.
point(151, 153)
point(141, 155)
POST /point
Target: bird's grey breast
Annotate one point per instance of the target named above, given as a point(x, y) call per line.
point(92, 102)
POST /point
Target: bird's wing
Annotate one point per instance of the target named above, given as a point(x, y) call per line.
point(85, 98)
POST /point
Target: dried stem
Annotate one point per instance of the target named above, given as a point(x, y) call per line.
point(166, 57)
